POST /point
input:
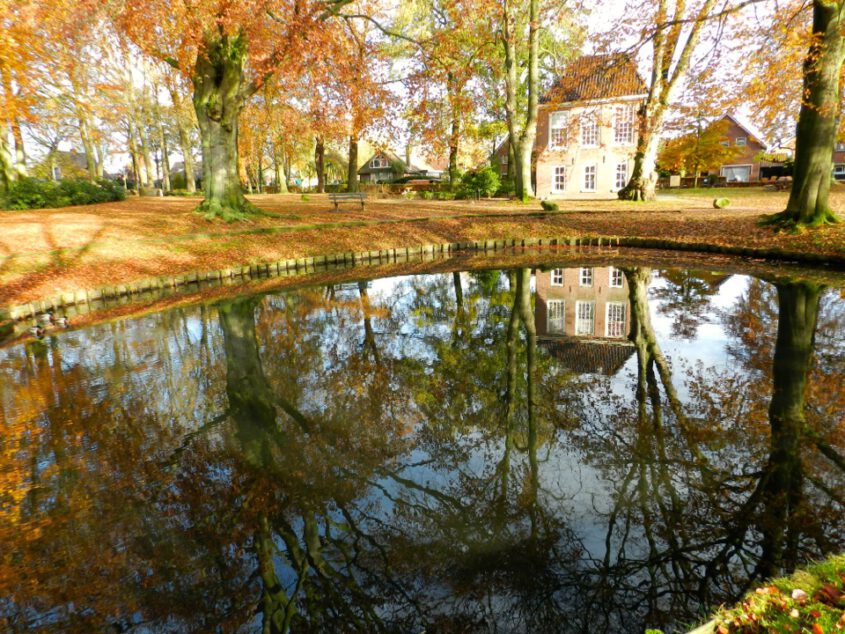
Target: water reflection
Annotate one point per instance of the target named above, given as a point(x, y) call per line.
point(447, 452)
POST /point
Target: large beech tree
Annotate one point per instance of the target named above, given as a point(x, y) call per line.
point(228, 50)
point(817, 121)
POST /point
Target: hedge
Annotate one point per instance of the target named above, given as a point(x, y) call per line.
point(31, 193)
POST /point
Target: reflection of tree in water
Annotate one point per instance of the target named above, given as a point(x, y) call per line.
point(685, 296)
point(693, 523)
point(350, 472)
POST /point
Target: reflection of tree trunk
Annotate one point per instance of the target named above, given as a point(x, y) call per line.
point(782, 484)
point(276, 607)
point(250, 398)
point(369, 335)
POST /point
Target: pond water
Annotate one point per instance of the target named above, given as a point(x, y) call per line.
point(534, 450)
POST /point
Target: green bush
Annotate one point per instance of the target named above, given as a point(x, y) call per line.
point(507, 187)
point(484, 182)
point(446, 196)
point(548, 205)
point(426, 195)
point(31, 193)
point(178, 181)
point(721, 203)
point(305, 198)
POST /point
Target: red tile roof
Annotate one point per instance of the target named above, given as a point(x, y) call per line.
point(597, 77)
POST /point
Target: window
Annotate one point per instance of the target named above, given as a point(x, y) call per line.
point(614, 325)
point(556, 322)
point(378, 163)
point(557, 130)
point(589, 178)
point(726, 143)
point(624, 125)
point(559, 179)
point(585, 313)
point(616, 277)
point(586, 277)
point(741, 141)
point(503, 159)
point(621, 175)
point(840, 146)
point(557, 277)
point(589, 131)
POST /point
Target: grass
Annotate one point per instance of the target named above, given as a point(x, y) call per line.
point(812, 600)
point(52, 251)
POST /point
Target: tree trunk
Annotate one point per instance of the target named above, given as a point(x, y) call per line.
point(20, 154)
point(352, 171)
point(279, 166)
point(643, 182)
point(319, 161)
point(455, 134)
point(185, 144)
point(816, 131)
point(146, 152)
point(88, 146)
point(7, 174)
point(219, 96)
point(133, 152)
point(184, 138)
point(523, 141)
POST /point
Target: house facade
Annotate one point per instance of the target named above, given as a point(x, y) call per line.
point(587, 129)
point(583, 317)
point(385, 166)
point(746, 166)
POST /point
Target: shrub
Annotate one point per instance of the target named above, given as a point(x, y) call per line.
point(721, 203)
point(548, 205)
point(484, 182)
point(305, 198)
point(507, 187)
point(31, 193)
point(446, 196)
point(426, 195)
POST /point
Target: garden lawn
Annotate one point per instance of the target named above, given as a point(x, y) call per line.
point(47, 252)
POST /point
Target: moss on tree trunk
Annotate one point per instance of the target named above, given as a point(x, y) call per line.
point(219, 95)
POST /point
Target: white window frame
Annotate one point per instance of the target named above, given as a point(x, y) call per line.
point(741, 141)
point(556, 325)
point(595, 170)
point(623, 125)
point(558, 122)
point(586, 277)
point(623, 173)
point(556, 273)
point(581, 321)
point(615, 278)
point(589, 125)
point(378, 163)
point(555, 174)
point(839, 147)
point(618, 331)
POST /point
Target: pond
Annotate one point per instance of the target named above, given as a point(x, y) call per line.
point(581, 449)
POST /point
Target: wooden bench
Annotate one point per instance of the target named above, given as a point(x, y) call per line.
point(345, 197)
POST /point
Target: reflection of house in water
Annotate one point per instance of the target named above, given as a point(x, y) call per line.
point(583, 318)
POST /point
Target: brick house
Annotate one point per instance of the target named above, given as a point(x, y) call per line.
point(745, 167)
point(587, 129)
point(583, 317)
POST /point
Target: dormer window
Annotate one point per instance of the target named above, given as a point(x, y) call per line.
point(378, 163)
